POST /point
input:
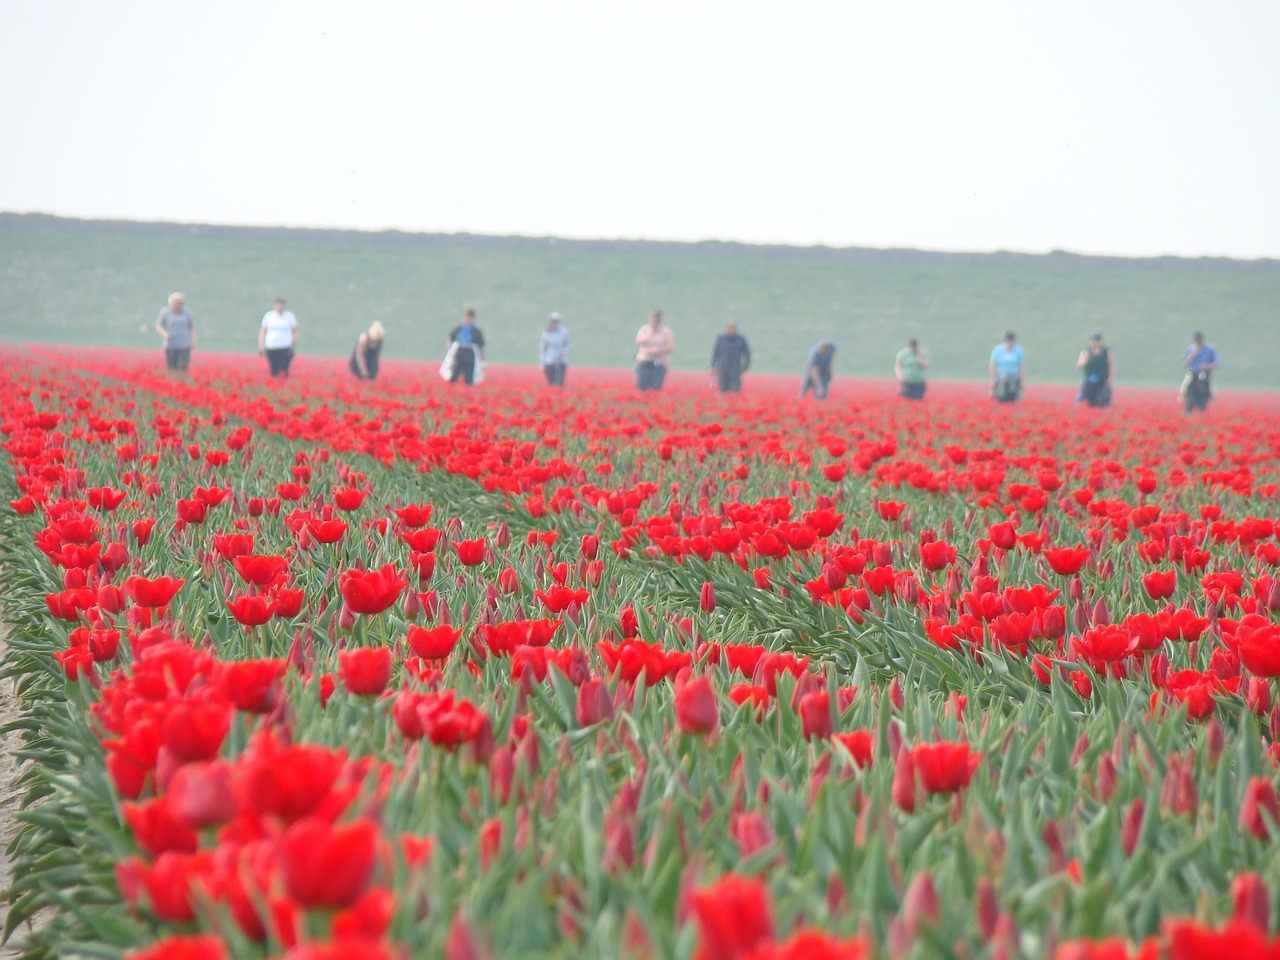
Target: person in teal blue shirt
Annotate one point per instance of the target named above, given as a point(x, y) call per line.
point(1007, 366)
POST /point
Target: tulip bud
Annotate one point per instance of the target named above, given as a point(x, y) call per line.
point(920, 906)
point(697, 711)
point(707, 598)
point(1131, 829)
point(987, 909)
point(1252, 902)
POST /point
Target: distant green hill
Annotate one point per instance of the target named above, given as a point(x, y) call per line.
point(103, 282)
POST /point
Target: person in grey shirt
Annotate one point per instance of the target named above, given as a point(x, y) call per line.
point(553, 351)
point(177, 328)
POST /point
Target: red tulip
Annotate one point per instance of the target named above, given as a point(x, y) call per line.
point(202, 946)
point(287, 781)
point(697, 710)
point(414, 515)
point(815, 714)
point(1160, 584)
point(260, 569)
point(1190, 941)
point(365, 671)
point(193, 730)
point(327, 865)
point(433, 643)
point(152, 593)
point(1066, 561)
point(349, 498)
point(200, 794)
point(937, 555)
point(470, 552)
point(252, 611)
point(945, 767)
point(1259, 649)
point(373, 591)
point(733, 918)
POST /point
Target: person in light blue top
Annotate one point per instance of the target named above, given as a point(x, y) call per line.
point(1200, 360)
point(1006, 369)
point(817, 370)
point(553, 351)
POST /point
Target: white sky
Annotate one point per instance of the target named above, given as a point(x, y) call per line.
point(1102, 126)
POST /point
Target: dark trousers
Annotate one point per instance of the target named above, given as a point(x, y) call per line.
point(1198, 392)
point(554, 373)
point(278, 361)
point(730, 379)
point(1096, 393)
point(650, 375)
point(913, 391)
point(177, 358)
point(464, 365)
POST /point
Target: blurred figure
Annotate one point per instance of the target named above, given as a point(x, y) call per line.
point(177, 328)
point(655, 343)
point(465, 359)
point(817, 370)
point(1099, 367)
point(1200, 360)
point(277, 338)
point(553, 351)
point(368, 352)
point(1006, 369)
point(730, 358)
point(909, 368)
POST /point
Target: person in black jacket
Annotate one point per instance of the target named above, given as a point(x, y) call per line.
point(730, 358)
point(466, 344)
point(1098, 366)
point(368, 352)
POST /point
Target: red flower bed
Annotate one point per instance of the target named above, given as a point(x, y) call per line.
point(433, 671)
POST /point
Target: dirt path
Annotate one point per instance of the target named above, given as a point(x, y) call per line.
point(10, 794)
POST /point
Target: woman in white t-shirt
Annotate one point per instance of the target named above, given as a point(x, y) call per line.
point(277, 337)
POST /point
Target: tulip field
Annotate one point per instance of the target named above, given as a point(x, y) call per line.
point(319, 669)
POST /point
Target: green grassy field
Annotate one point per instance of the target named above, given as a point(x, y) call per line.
point(103, 283)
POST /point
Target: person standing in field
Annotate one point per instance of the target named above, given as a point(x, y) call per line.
point(1006, 369)
point(368, 352)
point(277, 338)
point(655, 343)
point(177, 328)
point(730, 358)
point(553, 351)
point(1099, 367)
point(909, 368)
point(1200, 360)
point(817, 370)
point(465, 360)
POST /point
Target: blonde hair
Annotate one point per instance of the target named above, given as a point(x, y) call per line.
point(175, 297)
point(376, 331)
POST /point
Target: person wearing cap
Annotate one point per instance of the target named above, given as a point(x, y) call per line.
point(817, 370)
point(909, 367)
point(1200, 360)
point(654, 345)
point(368, 352)
point(1006, 368)
point(730, 358)
point(553, 351)
point(177, 328)
point(1099, 367)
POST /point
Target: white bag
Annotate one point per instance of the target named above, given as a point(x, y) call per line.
point(446, 368)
